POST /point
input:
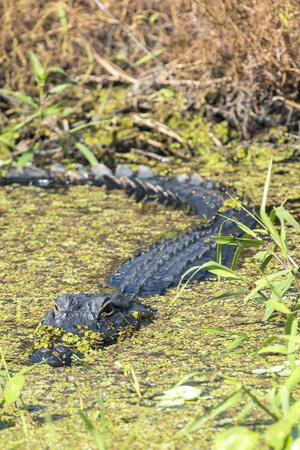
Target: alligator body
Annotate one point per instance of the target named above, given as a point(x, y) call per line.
point(162, 265)
point(150, 271)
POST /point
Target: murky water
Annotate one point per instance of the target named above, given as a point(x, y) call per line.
point(56, 242)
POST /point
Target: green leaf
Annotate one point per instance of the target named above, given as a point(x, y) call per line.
point(278, 291)
point(281, 349)
point(26, 156)
point(275, 305)
point(236, 438)
point(265, 262)
point(167, 93)
point(261, 255)
point(281, 288)
point(95, 433)
point(245, 412)
point(266, 220)
point(219, 246)
point(85, 125)
point(119, 56)
point(293, 380)
point(13, 388)
point(236, 256)
point(266, 341)
point(23, 98)
point(149, 57)
point(266, 189)
point(243, 242)
point(283, 214)
point(26, 121)
point(228, 294)
point(222, 271)
point(277, 433)
point(236, 342)
point(87, 153)
point(39, 71)
point(153, 17)
point(59, 88)
point(56, 69)
point(62, 17)
point(284, 395)
point(8, 138)
point(266, 280)
point(242, 226)
point(52, 110)
point(274, 400)
point(214, 330)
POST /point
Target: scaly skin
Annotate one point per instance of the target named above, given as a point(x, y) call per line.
point(148, 272)
point(106, 313)
point(162, 265)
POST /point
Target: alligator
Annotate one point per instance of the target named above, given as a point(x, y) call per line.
point(150, 271)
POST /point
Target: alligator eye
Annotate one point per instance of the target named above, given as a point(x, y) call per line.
point(56, 307)
point(106, 308)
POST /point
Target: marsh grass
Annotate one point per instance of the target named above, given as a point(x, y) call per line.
point(50, 111)
point(98, 431)
point(242, 56)
point(99, 428)
point(12, 406)
point(276, 290)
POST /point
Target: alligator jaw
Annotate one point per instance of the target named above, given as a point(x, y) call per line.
point(107, 314)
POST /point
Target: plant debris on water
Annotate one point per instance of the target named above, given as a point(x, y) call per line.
point(181, 88)
point(76, 238)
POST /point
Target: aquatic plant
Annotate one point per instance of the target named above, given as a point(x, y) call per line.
point(277, 291)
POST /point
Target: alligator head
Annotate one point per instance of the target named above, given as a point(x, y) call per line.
point(104, 313)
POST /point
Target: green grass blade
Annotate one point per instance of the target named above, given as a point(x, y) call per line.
point(242, 227)
point(236, 342)
point(97, 436)
point(292, 344)
point(198, 423)
point(293, 380)
point(236, 256)
point(62, 17)
point(266, 189)
point(87, 153)
point(26, 156)
point(221, 270)
point(267, 221)
point(244, 242)
point(39, 71)
point(219, 245)
point(283, 214)
point(149, 57)
point(277, 349)
point(27, 99)
point(59, 88)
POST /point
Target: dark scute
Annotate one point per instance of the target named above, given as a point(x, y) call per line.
point(57, 356)
point(162, 265)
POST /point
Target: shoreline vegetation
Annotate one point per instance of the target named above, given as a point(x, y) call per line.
point(182, 87)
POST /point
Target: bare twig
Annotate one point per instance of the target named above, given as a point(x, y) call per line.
point(113, 69)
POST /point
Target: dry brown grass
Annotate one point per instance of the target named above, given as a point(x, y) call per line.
point(249, 50)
